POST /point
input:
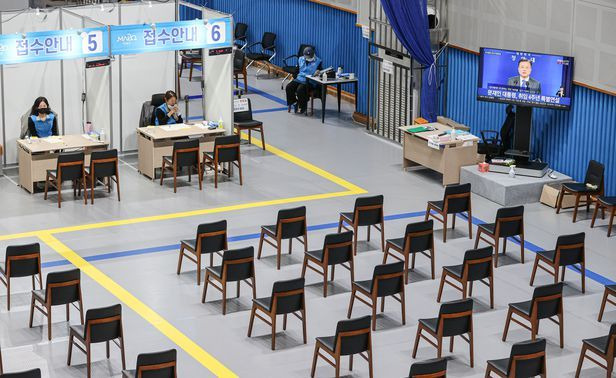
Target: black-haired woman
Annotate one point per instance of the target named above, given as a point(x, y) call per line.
point(168, 113)
point(42, 122)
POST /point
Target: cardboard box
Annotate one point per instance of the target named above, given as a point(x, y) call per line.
point(550, 194)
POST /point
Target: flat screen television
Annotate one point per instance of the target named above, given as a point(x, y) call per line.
point(525, 78)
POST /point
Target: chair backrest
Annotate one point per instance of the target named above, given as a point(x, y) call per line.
point(388, 279)
point(63, 287)
point(510, 221)
point(456, 317)
point(433, 368)
point(157, 100)
point(338, 247)
point(239, 57)
point(457, 198)
point(34, 373)
point(547, 300)
point(527, 358)
point(245, 115)
point(70, 166)
point(211, 237)
point(594, 174)
point(227, 148)
point(478, 263)
point(353, 336)
point(104, 324)
point(157, 365)
point(570, 248)
point(238, 264)
point(240, 31)
point(186, 152)
point(419, 236)
point(291, 223)
point(104, 163)
point(268, 42)
point(368, 210)
point(288, 295)
point(23, 260)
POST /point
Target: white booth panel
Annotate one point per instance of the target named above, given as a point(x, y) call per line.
point(98, 99)
point(74, 83)
point(218, 90)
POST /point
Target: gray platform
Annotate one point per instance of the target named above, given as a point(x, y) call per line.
point(504, 190)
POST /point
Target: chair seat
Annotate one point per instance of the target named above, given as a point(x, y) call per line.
point(347, 217)
point(431, 323)
point(293, 70)
point(129, 373)
point(248, 124)
point(39, 294)
point(523, 307)
point(607, 201)
point(364, 285)
point(215, 270)
point(79, 329)
point(327, 341)
point(456, 270)
point(548, 255)
point(190, 243)
point(270, 228)
point(168, 159)
point(265, 303)
point(316, 254)
point(501, 365)
point(258, 56)
point(398, 243)
point(488, 227)
point(599, 343)
point(437, 204)
point(578, 187)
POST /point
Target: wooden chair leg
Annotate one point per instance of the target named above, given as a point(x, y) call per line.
point(603, 303)
point(262, 138)
point(440, 288)
point(180, 257)
point(611, 223)
point(444, 228)
point(594, 215)
point(575, 209)
point(509, 314)
point(560, 200)
point(314, 360)
point(532, 275)
point(351, 304)
point(252, 319)
point(581, 360)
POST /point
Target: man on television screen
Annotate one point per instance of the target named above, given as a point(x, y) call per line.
point(524, 81)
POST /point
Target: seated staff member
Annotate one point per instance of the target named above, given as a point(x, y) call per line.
point(168, 113)
point(42, 122)
point(297, 90)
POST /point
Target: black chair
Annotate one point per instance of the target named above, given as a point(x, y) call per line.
point(527, 359)
point(21, 261)
point(593, 185)
point(569, 251)
point(244, 121)
point(70, 167)
point(433, 368)
point(477, 266)
point(603, 203)
point(237, 266)
point(352, 337)
point(226, 150)
point(103, 165)
point(494, 143)
point(185, 154)
point(509, 222)
point(148, 110)
point(454, 319)
point(154, 365)
point(240, 35)
point(387, 280)
point(34, 373)
point(457, 199)
point(292, 68)
point(62, 288)
point(337, 250)
point(287, 298)
point(418, 238)
point(546, 303)
point(290, 224)
point(368, 211)
point(266, 53)
point(604, 347)
point(211, 238)
point(239, 68)
point(102, 325)
point(609, 291)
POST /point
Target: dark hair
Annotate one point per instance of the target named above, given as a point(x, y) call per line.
point(169, 95)
point(37, 103)
point(522, 60)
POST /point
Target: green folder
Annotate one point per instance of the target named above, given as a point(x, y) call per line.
point(417, 129)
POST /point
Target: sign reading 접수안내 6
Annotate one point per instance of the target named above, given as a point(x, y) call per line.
point(53, 45)
point(168, 36)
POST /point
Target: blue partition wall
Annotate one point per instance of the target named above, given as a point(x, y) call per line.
point(334, 33)
point(567, 140)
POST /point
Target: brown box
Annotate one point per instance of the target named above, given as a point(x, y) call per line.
point(549, 196)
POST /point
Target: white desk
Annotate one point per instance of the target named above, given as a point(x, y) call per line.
point(338, 83)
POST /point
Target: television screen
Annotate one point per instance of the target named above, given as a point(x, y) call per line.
point(525, 78)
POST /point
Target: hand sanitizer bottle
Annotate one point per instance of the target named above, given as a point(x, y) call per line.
point(220, 123)
point(101, 135)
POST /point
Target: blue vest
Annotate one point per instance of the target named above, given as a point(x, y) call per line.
point(165, 110)
point(43, 128)
point(307, 68)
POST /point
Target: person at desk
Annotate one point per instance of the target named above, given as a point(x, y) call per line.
point(42, 122)
point(169, 112)
point(297, 90)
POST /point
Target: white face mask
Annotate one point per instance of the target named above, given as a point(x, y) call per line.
point(309, 59)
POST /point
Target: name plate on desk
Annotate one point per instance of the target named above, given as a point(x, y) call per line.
point(433, 144)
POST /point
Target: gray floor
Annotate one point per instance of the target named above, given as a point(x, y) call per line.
point(147, 268)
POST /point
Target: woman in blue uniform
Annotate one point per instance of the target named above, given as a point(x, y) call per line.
point(168, 113)
point(42, 122)
point(297, 90)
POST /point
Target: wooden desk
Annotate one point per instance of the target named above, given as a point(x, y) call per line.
point(338, 83)
point(154, 142)
point(447, 159)
point(41, 154)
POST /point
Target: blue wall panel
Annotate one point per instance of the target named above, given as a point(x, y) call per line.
point(566, 140)
point(333, 32)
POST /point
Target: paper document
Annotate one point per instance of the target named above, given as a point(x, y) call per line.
point(52, 139)
point(180, 126)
